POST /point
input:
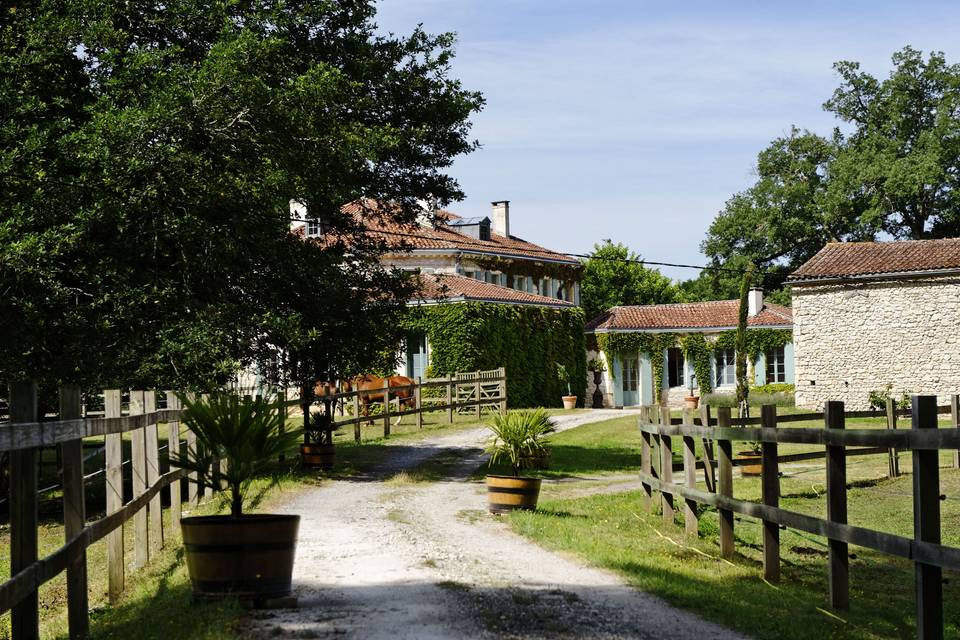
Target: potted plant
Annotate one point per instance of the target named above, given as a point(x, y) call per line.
point(243, 555)
point(518, 440)
point(597, 366)
point(752, 457)
point(569, 400)
point(691, 401)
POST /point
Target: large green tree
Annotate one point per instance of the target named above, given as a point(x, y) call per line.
point(149, 154)
point(894, 171)
point(613, 275)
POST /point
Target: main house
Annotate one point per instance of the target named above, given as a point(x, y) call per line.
point(512, 303)
point(872, 314)
point(687, 348)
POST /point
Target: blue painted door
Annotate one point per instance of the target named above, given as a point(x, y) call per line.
point(630, 380)
point(416, 356)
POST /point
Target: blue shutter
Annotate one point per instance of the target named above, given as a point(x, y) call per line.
point(617, 382)
point(646, 380)
point(760, 370)
point(788, 370)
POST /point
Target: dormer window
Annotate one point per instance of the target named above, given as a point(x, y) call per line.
point(484, 229)
point(313, 228)
point(478, 228)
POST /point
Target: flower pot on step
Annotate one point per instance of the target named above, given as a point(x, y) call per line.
point(250, 557)
point(507, 493)
point(569, 402)
point(691, 402)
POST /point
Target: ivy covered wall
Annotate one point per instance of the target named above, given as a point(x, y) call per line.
point(696, 348)
point(528, 341)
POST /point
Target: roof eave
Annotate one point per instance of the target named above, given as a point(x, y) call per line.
point(800, 281)
point(687, 329)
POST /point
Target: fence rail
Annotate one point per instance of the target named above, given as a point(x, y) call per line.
point(924, 439)
point(470, 392)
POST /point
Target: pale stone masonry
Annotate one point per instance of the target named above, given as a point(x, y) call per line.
point(869, 314)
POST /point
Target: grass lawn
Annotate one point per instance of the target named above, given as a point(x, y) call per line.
point(610, 530)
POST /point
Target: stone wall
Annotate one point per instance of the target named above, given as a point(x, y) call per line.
point(850, 339)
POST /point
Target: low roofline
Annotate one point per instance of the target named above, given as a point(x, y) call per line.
point(799, 281)
point(462, 299)
point(690, 329)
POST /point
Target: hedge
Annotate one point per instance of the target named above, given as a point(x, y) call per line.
point(527, 341)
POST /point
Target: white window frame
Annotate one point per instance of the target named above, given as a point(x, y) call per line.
point(779, 364)
point(725, 362)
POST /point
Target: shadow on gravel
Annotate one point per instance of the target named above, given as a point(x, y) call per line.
point(380, 462)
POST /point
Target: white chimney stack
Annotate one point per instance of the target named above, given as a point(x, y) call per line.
point(754, 301)
point(501, 217)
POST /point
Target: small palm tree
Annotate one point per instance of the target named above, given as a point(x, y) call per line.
point(518, 435)
point(246, 433)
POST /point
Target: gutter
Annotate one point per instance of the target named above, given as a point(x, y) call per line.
point(457, 299)
point(514, 256)
point(690, 329)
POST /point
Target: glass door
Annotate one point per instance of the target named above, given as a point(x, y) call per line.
point(630, 378)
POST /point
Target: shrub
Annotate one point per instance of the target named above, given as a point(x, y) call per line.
point(719, 400)
point(774, 387)
point(518, 436)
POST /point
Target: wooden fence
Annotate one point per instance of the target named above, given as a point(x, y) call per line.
point(25, 436)
point(924, 439)
point(462, 393)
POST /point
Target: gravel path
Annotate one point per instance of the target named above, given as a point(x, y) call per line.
point(381, 558)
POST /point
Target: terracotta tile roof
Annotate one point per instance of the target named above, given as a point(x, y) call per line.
point(451, 288)
point(416, 236)
point(720, 314)
point(853, 259)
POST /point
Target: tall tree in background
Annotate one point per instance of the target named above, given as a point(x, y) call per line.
point(896, 173)
point(613, 275)
point(149, 154)
point(902, 160)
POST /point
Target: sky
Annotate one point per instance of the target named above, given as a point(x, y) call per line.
point(636, 121)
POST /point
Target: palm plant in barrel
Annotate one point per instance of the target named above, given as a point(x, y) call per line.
point(518, 440)
point(244, 555)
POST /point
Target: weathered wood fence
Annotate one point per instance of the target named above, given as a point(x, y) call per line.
point(461, 393)
point(25, 436)
point(924, 439)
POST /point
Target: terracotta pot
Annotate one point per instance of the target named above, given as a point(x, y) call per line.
point(507, 493)
point(569, 402)
point(691, 402)
point(753, 468)
point(249, 557)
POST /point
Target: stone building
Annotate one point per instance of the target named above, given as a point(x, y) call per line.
point(462, 260)
point(870, 314)
point(629, 380)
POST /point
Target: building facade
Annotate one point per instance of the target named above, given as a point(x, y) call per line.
point(868, 315)
point(629, 378)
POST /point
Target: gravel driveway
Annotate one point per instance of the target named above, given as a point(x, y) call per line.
point(384, 558)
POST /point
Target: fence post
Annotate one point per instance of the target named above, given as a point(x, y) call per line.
point(386, 408)
point(476, 393)
point(926, 521)
point(449, 398)
point(151, 437)
point(690, 523)
point(356, 416)
point(894, 456)
point(173, 447)
point(417, 398)
point(771, 496)
point(645, 465)
point(503, 389)
point(113, 462)
point(955, 419)
point(725, 484)
point(138, 466)
point(709, 473)
point(193, 493)
point(837, 509)
point(25, 616)
point(282, 411)
point(74, 513)
point(666, 468)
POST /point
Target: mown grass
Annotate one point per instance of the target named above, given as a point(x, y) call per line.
point(612, 531)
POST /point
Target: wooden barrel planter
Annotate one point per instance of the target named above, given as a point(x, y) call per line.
point(321, 456)
point(250, 557)
point(506, 493)
point(753, 466)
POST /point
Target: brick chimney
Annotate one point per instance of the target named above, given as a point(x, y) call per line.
point(754, 301)
point(501, 217)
